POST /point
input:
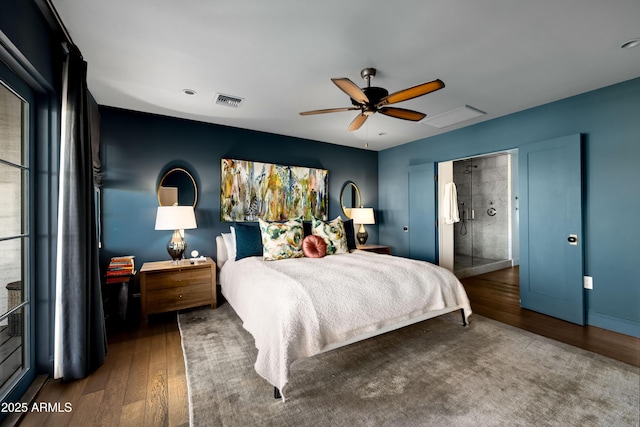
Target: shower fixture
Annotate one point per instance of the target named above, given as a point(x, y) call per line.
point(469, 167)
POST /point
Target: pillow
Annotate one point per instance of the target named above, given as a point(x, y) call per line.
point(333, 234)
point(314, 247)
point(230, 243)
point(248, 240)
point(351, 234)
point(281, 240)
point(306, 226)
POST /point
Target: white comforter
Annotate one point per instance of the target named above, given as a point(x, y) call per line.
point(295, 308)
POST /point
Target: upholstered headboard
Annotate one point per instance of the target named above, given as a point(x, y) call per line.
point(221, 252)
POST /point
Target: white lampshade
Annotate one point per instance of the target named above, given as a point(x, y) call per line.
point(362, 216)
point(175, 218)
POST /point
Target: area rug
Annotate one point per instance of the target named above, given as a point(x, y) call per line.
point(435, 373)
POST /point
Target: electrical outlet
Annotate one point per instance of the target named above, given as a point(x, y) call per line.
point(588, 282)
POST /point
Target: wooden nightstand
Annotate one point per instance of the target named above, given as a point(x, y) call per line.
point(168, 286)
point(379, 249)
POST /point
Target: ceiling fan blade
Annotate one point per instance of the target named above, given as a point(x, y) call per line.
point(401, 113)
point(351, 89)
point(357, 122)
point(328, 110)
point(412, 92)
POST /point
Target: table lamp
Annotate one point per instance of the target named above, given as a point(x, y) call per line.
point(362, 216)
point(176, 218)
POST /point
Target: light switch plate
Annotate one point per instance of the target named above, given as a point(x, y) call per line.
point(588, 282)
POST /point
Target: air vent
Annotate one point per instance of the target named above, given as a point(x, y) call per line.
point(228, 100)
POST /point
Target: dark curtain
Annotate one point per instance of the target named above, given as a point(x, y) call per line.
point(94, 129)
point(80, 334)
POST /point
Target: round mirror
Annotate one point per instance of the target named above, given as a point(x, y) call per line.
point(349, 197)
point(177, 186)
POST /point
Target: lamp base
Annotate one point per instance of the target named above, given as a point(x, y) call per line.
point(176, 246)
point(362, 235)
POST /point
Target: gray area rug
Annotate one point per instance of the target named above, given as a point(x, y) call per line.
point(435, 373)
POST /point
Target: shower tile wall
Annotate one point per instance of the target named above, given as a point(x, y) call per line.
point(485, 187)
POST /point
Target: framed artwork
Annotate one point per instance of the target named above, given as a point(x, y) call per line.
point(251, 190)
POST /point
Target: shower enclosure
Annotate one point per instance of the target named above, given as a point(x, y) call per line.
point(481, 237)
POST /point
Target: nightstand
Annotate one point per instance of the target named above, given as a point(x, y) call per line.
point(379, 249)
point(168, 286)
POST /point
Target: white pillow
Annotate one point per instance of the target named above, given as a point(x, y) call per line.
point(333, 234)
point(281, 240)
point(230, 243)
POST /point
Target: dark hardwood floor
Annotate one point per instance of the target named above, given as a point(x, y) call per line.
point(497, 295)
point(143, 381)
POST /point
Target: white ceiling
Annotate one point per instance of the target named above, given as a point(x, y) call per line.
point(499, 56)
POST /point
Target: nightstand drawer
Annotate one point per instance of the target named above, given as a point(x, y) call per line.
point(169, 286)
point(179, 277)
point(176, 298)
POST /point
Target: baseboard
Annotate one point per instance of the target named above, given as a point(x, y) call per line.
point(616, 324)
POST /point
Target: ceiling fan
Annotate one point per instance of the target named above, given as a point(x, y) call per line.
point(370, 100)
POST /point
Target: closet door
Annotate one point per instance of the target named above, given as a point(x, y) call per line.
point(422, 213)
point(551, 239)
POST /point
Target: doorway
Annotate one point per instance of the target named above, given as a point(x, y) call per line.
point(483, 239)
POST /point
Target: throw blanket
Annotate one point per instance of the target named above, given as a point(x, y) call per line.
point(296, 307)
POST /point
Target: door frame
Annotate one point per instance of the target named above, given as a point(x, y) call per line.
point(22, 378)
point(446, 232)
point(44, 159)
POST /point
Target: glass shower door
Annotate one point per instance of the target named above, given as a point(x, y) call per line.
point(481, 236)
point(463, 240)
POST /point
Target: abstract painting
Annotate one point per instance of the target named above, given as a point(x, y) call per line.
point(251, 190)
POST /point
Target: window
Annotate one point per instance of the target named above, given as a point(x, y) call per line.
point(15, 236)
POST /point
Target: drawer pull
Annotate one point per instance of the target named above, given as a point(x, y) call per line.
point(180, 296)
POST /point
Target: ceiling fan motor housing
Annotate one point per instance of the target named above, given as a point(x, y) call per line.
point(375, 94)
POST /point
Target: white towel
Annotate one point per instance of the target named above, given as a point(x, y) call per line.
point(450, 204)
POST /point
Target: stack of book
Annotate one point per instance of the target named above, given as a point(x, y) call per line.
point(120, 269)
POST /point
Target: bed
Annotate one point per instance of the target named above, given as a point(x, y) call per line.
point(300, 307)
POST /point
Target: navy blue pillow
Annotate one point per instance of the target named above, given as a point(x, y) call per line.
point(248, 240)
point(306, 227)
point(350, 233)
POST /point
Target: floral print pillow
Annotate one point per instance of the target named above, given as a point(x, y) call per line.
point(333, 234)
point(281, 240)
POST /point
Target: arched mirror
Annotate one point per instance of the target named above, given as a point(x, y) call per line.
point(177, 186)
point(349, 197)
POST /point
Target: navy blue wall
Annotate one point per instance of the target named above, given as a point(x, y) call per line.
point(609, 119)
point(138, 148)
point(27, 30)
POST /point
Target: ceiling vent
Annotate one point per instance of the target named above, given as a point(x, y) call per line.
point(453, 117)
point(228, 100)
